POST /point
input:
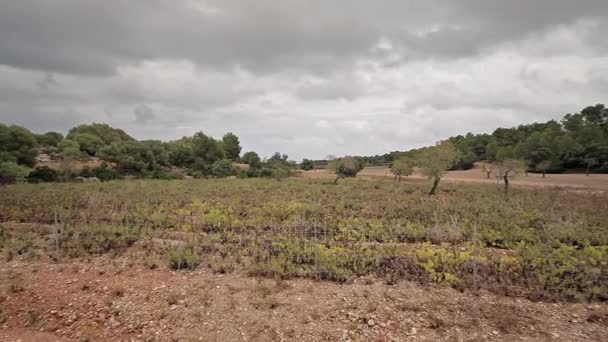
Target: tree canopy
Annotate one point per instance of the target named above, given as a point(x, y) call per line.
point(345, 167)
point(231, 146)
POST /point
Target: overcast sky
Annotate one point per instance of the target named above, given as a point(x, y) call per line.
point(304, 77)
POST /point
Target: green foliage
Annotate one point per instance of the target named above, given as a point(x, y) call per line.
point(104, 132)
point(223, 168)
point(180, 152)
point(158, 151)
point(42, 174)
point(98, 239)
point(49, 139)
point(11, 173)
point(307, 164)
point(17, 144)
point(567, 144)
point(402, 167)
point(206, 151)
point(345, 167)
point(102, 172)
point(231, 146)
point(69, 148)
point(87, 142)
point(183, 258)
point(435, 161)
point(130, 156)
point(252, 159)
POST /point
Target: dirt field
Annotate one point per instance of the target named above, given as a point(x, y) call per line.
point(578, 181)
point(114, 299)
point(103, 266)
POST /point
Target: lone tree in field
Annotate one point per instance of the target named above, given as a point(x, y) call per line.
point(402, 167)
point(436, 161)
point(509, 167)
point(544, 166)
point(487, 169)
point(345, 167)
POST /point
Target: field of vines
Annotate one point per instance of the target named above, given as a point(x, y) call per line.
point(546, 244)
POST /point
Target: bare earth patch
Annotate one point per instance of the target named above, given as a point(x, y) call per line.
point(115, 299)
point(475, 175)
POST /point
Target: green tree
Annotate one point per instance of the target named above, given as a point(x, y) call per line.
point(88, 143)
point(105, 132)
point(231, 146)
point(402, 167)
point(206, 151)
point(435, 161)
point(507, 168)
point(158, 149)
point(11, 172)
point(223, 168)
point(42, 174)
point(252, 159)
point(307, 164)
point(181, 152)
point(345, 167)
point(49, 139)
point(69, 148)
point(130, 156)
point(18, 144)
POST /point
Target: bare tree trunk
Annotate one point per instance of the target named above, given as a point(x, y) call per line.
point(488, 174)
point(336, 180)
point(588, 171)
point(506, 179)
point(435, 184)
point(544, 173)
point(399, 178)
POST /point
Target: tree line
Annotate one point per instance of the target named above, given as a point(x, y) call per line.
point(577, 142)
point(199, 155)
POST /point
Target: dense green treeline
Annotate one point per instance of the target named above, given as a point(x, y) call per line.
point(199, 155)
point(578, 141)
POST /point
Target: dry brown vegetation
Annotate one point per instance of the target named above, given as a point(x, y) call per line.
point(476, 175)
point(301, 259)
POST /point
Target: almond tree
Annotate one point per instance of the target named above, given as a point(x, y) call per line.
point(508, 168)
point(402, 167)
point(436, 161)
point(345, 167)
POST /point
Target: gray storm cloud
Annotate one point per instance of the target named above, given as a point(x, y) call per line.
point(379, 75)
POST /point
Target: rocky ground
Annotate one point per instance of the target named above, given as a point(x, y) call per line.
point(118, 299)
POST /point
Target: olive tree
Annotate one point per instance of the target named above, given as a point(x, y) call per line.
point(434, 162)
point(487, 169)
point(345, 167)
point(543, 166)
point(508, 168)
point(402, 167)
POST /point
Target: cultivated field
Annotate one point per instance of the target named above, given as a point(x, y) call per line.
point(301, 259)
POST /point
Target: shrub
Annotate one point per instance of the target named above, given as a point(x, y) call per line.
point(183, 257)
point(104, 173)
point(11, 173)
point(223, 168)
point(43, 174)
